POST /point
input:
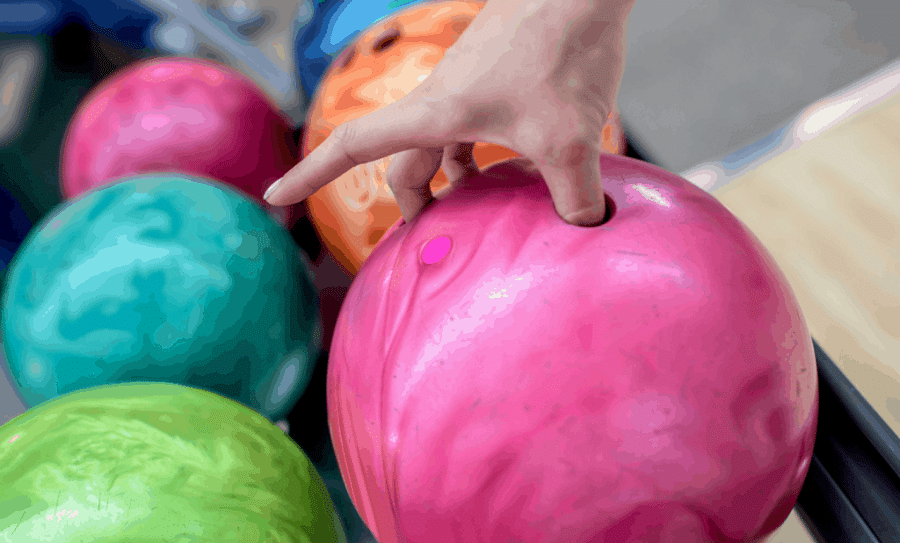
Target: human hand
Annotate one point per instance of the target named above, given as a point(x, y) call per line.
point(539, 77)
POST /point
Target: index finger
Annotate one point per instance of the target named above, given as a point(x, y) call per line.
point(405, 124)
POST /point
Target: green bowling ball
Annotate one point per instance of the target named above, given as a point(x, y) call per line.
point(157, 462)
point(162, 278)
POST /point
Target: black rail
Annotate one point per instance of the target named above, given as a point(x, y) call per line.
point(852, 492)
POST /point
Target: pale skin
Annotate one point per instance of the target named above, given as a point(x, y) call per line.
point(539, 77)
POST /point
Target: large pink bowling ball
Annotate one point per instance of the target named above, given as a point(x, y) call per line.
point(499, 375)
point(184, 115)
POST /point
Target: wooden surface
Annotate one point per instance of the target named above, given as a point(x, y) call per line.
point(829, 212)
point(792, 531)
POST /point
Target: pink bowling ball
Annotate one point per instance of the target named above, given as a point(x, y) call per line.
point(186, 115)
point(499, 375)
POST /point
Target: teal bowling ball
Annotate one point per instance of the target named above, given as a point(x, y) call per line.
point(157, 462)
point(167, 278)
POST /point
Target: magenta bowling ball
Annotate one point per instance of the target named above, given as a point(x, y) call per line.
point(181, 115)
point(499, 375)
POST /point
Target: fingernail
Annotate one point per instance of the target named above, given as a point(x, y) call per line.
point(270, 190)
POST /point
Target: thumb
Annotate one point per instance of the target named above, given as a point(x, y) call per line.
point(575, 184)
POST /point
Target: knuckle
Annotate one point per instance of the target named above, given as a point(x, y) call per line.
point(338, 137)
point(573, 153)
point(397, 176)
point(344, 139)
point(394, 173)
point(342, 135)
point(428, 103)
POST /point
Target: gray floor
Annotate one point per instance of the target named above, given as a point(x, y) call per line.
point(704, 78)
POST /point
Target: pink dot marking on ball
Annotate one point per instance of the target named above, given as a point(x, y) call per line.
point(56, 224)
point(436, 249)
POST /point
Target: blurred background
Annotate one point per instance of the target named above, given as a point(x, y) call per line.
point(709, 86)
point(704, 78)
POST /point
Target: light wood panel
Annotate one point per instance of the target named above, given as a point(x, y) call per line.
point(792, 531)
point(829, 211)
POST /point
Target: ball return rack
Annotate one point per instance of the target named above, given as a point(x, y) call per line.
point(852, 491)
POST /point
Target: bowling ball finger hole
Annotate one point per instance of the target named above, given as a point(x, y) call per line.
point(608, 215)
point(346, 57)
point(386, 40)
point(610, 209)
point(375, 235)
point(460, 24)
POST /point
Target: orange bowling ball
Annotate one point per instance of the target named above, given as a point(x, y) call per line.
point(382, 65)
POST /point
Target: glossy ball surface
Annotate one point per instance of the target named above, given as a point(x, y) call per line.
point(156, 462)
point(334, 24)
point(190, 116)
point(384, 64)
point(162, 278)
point(500, 375)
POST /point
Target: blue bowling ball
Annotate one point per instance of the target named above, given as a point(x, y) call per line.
point(14, 226)
point(333, 26)
point(165, 278)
